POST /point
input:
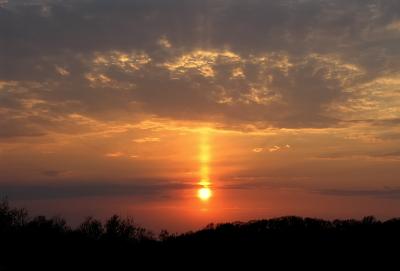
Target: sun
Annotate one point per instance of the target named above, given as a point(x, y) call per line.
point(204, 193)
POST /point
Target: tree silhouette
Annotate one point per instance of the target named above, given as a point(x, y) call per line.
point(91, 228)
point(40, 243)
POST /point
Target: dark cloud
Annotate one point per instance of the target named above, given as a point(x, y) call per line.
point(139, 188)
point(145, 189)
point(295, 58)
point(390, 193)
point(383, 122)
point(361, 155)
point(390, 136)
point(11, 128)
point(53, 173)
point(392, 154)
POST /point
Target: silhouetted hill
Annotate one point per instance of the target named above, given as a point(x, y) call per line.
point(41, 243)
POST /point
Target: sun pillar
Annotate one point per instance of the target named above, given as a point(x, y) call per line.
point(204, 193)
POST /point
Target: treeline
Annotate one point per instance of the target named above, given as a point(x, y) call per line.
point(33, 243)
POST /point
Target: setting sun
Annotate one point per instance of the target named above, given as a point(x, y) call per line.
point(204, 193)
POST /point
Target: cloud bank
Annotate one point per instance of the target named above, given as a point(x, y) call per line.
point(282, 64)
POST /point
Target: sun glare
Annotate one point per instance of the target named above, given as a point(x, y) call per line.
point(204, 193)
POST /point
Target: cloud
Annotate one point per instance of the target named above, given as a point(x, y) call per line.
point(14, 127)
point(275, 148)
point(164, 42)
point(141, 189)
point(115, 154)
point(395, 26)
point(54, 173)
point(388, 155)
point(281, 64)
point(390, 193)
point(202, 62)
point(146, 140)
point(262, 183)
point(376, 155)
point(62, 71)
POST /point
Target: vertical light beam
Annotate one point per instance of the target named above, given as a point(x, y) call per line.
point(204, 193)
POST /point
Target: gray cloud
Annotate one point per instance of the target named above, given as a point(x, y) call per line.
point(391, 193)
point(10, 128)
point(147, 189)
point(393, 154)
point(104, 59)
point(361, 155)
point(53, 173)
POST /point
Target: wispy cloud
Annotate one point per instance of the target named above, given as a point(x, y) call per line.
point(146, 139)
point(115, 154)
point(145, 188)
point(391, 193)
point(62, 71)
point(345, 155)
point(54, 173)
point(274, 148)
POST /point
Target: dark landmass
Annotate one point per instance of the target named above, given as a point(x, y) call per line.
point(40, 243)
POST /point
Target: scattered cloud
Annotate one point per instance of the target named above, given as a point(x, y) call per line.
point(146, 140)
point(202, 62)
point(275, 148)
point(125, 61)
point(115, 154)
point(62, 71)
point(164, 42)
point(279, 148)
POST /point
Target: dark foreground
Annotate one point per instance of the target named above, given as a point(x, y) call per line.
point(40, 243)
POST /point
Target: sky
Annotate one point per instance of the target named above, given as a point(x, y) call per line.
point(179, 113)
